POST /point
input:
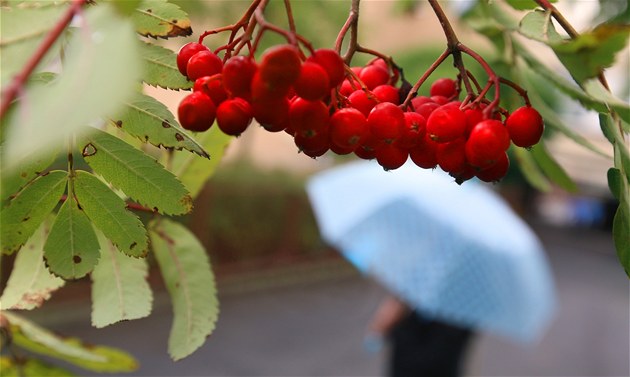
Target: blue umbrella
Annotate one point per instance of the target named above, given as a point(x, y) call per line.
point(455, 253)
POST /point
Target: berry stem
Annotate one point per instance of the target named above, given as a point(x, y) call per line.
point(427, 73)
point(20, 79)
point(352, 25)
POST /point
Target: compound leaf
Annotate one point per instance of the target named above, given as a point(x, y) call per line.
point(551, 168)
point(158, 18)
point(34, 338)
point(194, 171)
point(119, 287)
point(71, 250)
point(30, 283)
point(26, 211)
point(108, 213)
point(190, 282)
point(161, 68)
point(149, 120)
point(139, 176)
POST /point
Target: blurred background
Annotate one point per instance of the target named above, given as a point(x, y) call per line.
point(292, 306)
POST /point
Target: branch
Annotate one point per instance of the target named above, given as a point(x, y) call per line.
point(20, 79)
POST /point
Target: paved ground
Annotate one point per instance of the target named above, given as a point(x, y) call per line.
point(315, 328)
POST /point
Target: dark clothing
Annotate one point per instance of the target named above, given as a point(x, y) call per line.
point(424, 347)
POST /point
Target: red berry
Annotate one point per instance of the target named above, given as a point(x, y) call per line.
point(451, 156)
point(420, 100)
point(362, 102)
point(525, 126)
point(426, 109)
point(424, 154)
point(367, 149)
point(186, 52)
point(391, 156)
point(234, 116)
point(312, 144)
point(440, 100)
point(332, 63)
point(446, 123)
point(280, 65)
point(473, 116)
point(203, 63)
point(272, 113)
point(262, 90)
point(308, 116)
point(373, 76)
point(213, 87)
point(496, 171)
point(387, 93)
point(443, 87)
point(238, 73)
point(313, 82)
point(196, 112)
point(347, 88)
point(386, 122)
point(340, 150)
point(348, 128)
point(415, 129)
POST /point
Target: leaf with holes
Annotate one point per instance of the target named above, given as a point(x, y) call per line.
point(149, 120)
point(160, 68)
point(120, 290)
point(25, 212)
point(108, 213)
point(160, 19)
point(30, 283)
point(31, 337)
point(190, 282)
point(139, 176)
point(71, 250)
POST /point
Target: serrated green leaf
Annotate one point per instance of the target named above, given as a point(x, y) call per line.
point(551, 168)
point(537, 25)
point(71, 250)
point(151, 121)
point(34, 338)
point(30, 283)
point(531, 171)
point(108, 213)
point(161, 68)
point(158, 18)
point(139, 176)
point(615, 182)
point(194, 172)
point(621, 230)
point(587, 55)
point(31, 367)
point(13, 180)
point(25, 212)
point(190, 282)
point(102, 61)
point(120, 290)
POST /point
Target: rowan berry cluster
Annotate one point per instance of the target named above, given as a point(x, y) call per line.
point(325, 105)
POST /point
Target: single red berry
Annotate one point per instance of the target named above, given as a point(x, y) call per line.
point(213, 87)
point(451, 156)
point(280, 65)
point(446, 123)
point(332, 63)
point(495, 172)
point(440, 100)
point(361, 101)
point(312, 83)
point(443, 87)
point(387, 93)
point(373, 76)
point(424, 154)
point(368, 147)
point(426, 109)
point(234, 116)
point(308, 116)
point(196, 112)
point(238, 73)
point(347, 88)
point(525, 126)
point(203, 63)
point(391, 156)
point(185, 53)
point(336, 149)
point(348, 128)
point(386, 122)
point(473, 116)
point(487, 141)
point(313, 144)
point(383, 64)
point(262, 90)
point(272, 113)
point(415, 129)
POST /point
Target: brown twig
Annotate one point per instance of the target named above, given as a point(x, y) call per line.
point(20, 79)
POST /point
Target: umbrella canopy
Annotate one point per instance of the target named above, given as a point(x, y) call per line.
point(457, 253)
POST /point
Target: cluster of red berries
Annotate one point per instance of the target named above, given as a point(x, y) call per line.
point(326, 106)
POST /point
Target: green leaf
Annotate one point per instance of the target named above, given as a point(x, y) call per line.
point(552, 169)
point(161, 68)
point(595, 89)
point(193, 171)
point(25, 213)
point(102, 61)
point(108, 213)
point(13, 180)
point(621, 231)
point(524, 4)
point(606, 124)
point(139, 176)
point(125, 8)
point(537, 25)
point(190, 282)
point(531, 171)
point(119, 287)
point(31, 367)
point(623, 156)
point(30, 283)
point(591, 52)
point(37, 339)
point(21, 32)
point(149, 120)
point(71, 250)
point(615, 182)
point(158, 18)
